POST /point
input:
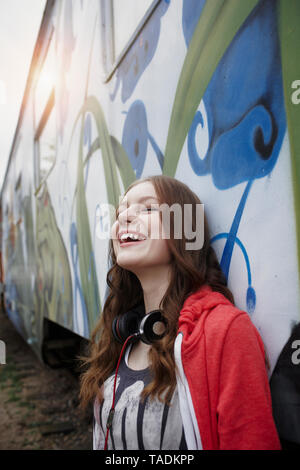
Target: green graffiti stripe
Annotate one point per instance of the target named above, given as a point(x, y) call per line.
point(93, 148)
point(123, 163)
point(121, 159)
point(289, 34)
point(88, 275)
point(112, 154)
point(217, 26)
point(112, 184)
point(84, 239)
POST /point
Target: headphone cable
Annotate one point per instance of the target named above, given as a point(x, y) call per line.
point(112, 410)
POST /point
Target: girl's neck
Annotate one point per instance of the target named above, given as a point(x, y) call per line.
point(154, 285)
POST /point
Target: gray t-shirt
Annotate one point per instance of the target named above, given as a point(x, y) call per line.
point(147, 425)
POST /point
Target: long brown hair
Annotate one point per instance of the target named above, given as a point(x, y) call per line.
point(190, 269)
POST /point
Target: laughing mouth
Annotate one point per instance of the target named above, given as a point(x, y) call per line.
point(131, 238)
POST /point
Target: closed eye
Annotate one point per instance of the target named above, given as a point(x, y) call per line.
point(143, 209)
point(152, 208)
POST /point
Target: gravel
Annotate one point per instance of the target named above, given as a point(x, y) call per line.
point(38, 404)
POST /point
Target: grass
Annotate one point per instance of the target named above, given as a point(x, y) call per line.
point(8, 372)
point(27, 404)
point(11, 383)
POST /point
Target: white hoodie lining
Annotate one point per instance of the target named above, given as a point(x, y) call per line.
point(191, 429)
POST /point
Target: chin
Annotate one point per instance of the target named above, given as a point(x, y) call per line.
point(127, 263)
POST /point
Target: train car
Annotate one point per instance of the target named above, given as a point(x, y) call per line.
point(207, 92)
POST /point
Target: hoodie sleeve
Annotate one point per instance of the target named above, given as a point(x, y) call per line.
point(244, 407)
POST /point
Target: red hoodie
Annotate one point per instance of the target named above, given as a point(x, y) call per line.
point(223, 385)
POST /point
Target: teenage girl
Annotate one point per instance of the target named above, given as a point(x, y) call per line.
point(173, 363)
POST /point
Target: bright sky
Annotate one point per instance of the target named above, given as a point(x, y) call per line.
point(19, 25)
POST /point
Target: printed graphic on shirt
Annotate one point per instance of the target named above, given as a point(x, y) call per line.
point(147, 425)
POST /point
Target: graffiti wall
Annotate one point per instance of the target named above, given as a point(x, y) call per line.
point(204, 91)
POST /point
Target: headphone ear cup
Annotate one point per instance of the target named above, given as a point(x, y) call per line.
point(125, 325)
point(153, 327)
point(114, 327)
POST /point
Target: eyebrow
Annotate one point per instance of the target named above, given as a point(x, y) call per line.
point(145, 198)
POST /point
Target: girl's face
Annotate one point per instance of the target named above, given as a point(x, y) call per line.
point(138, 214)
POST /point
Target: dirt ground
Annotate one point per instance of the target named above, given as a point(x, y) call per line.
point(38, 405)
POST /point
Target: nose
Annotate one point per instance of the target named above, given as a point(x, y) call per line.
point(127, 215)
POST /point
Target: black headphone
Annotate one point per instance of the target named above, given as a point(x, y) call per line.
point(132, 326)
point(148, 328)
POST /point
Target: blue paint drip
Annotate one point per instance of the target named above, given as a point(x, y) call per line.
point(227, 253)
point(251, 300)
point(250, 296)
point(243, 249)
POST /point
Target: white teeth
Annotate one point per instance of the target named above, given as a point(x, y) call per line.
point(130, 235)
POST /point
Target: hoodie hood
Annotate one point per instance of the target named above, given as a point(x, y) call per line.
point(196, 308)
